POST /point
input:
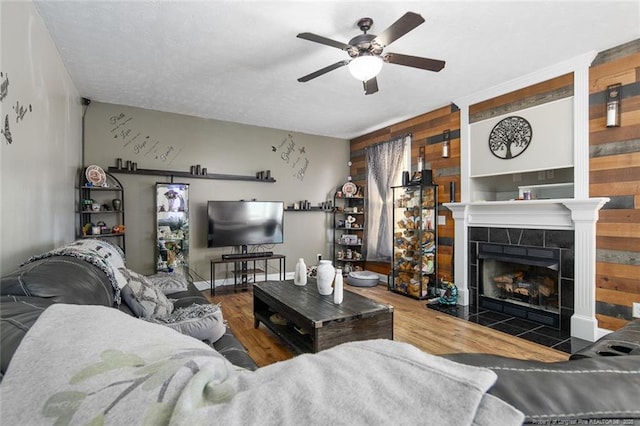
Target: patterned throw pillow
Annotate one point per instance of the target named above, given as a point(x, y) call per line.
point(153, 303)
point(203, 322)
point(168, 283)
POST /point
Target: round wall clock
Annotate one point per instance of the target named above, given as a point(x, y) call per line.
point(510, 137)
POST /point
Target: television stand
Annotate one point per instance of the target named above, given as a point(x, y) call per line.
point(241, 269)
point(247, 255)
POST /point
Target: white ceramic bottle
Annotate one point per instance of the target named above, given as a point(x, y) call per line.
point(324, 277)
point(338, 287)
point(300, 276)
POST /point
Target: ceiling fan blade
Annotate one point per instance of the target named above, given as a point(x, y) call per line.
point(323, 40)
point(323, 71)
point(370, 86)
point(414, 61)
point(406, 23)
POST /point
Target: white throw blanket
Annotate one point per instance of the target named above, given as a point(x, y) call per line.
point(81, 364)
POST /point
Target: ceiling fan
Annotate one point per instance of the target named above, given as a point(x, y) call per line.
point(366, 54)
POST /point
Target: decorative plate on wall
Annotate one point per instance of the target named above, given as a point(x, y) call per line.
point(510, 137)
point(349, 189)
point(95, 175)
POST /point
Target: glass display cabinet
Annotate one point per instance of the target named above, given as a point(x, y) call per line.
point(172, 227)
point(414, 263)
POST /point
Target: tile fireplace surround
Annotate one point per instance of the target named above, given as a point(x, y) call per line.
point(579, 216)
point(534, 268)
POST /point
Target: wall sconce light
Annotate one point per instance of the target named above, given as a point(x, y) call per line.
point(613, 105)
point(420, 159)
point(445, 143)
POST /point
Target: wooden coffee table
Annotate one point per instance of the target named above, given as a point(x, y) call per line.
point(313, 322)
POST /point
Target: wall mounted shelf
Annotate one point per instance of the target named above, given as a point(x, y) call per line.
point(173, 174)
point(312, 209)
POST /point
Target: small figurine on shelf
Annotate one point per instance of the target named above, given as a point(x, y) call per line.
point(104, 229)
point(174, 200)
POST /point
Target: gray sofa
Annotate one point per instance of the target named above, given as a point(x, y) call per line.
point(26, 292)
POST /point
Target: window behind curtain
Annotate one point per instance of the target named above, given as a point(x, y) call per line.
point(385, 164)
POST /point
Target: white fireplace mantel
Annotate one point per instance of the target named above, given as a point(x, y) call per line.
point(532, 214)
point(579, 215)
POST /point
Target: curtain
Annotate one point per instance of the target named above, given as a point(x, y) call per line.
point(384, 170)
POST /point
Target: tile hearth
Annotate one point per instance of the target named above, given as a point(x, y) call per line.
point(533, 332)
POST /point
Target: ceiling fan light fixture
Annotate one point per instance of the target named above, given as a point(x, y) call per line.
point(365, 67)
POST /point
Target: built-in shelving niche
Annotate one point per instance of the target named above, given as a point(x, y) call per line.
point(544, 184)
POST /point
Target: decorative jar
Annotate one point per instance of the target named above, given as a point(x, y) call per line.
point(338, 287)
point(300, 277)
point(324, 277)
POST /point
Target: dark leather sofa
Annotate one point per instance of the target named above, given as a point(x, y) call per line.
point(598, 385)
point(28, 291)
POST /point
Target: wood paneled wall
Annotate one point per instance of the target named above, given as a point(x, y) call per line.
point(538, 94)
point(614, 172)
point(427, 131)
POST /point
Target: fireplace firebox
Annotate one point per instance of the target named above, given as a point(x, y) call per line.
point(520, 281)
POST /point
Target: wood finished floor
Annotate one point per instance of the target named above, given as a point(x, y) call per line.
point(433, 332)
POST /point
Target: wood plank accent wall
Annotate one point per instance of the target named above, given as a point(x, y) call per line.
point(427, 131)
point(614, 172)
point(538, 94)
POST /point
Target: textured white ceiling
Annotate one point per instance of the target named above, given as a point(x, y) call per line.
point(239, 61)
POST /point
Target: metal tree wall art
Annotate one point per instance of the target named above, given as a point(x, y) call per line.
point(510, 137)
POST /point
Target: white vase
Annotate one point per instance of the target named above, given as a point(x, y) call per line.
point(324, 277)
point(338, 287)
point(300, 276)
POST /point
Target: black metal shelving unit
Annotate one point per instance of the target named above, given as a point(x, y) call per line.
point(348, 237)
point(107, 213)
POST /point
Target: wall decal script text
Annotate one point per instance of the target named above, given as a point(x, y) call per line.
point(139, 144)
point(295, 157)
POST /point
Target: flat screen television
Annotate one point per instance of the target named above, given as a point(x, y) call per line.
point(242, 223)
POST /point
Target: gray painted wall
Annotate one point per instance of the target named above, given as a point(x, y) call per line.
point(40, 165)
point(165, 141)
